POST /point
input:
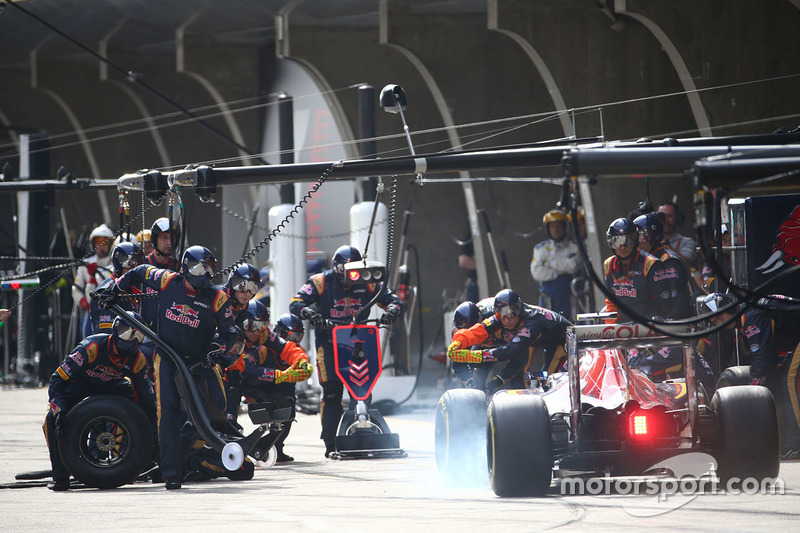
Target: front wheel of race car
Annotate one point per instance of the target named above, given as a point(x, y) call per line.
point(460, 437)
point(106, 442)
point(747, 426)
point(519, 449)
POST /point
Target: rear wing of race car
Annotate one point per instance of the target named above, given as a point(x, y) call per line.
point(624, 336)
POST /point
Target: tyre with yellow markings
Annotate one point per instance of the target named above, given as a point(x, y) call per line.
point(106, 441)
point(519, 450)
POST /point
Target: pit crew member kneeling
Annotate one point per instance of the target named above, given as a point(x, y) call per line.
point(270, 366)
point(771, 329)
point(525, 329)
point(105, 363)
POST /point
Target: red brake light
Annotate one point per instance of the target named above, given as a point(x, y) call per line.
point(639, 425)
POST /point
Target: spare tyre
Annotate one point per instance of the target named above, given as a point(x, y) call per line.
point(106, 441)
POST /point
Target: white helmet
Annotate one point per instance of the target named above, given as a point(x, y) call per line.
point(101, 231)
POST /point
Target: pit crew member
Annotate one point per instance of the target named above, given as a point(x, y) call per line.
point(327, 296)
point(105, 363)
point(190, 312)
point(524, 329)
point(555, 262)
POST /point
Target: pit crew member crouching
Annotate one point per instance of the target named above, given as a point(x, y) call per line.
point(270, 366)
point(525, 329)
point(105, 363)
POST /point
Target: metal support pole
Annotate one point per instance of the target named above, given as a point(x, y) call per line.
point(368, 147)
point(286, 141)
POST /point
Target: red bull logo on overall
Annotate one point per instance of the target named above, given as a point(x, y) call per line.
point(104, 373)
point(628, 292)
point(183, 314)
point(345, 307)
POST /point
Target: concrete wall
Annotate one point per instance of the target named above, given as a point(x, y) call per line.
point(681, 68)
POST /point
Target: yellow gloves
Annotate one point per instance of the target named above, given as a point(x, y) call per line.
point(300, 371)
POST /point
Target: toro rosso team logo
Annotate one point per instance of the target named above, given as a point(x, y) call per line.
point(786, 249)
point(345, 307)
point(667, 273)
point(751, 330)
point(183, 314)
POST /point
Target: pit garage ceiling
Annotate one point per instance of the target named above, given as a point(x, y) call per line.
point(150, 24)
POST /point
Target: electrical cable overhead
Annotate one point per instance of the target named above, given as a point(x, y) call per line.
point(135, 78)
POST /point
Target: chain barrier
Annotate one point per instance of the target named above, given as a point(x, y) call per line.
point(67, 267)
point(273, 233)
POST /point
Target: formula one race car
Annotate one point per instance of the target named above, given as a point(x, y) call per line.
point(601, 416)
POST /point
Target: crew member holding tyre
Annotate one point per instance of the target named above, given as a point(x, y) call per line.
point(771, 330)
point(327, 296)
point(105, 363)
point(190, 313)
point(525, 329)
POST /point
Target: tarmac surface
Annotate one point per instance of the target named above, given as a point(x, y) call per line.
point(320, 495)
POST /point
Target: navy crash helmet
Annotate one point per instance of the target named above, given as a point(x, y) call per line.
point(290, 327)
point(198, 265)
point(161, 225)
point(650, 228)
point(256, 316)
point(466, 315)
point(344, 254)
point(243, 278)
point(125, 255)
point(622, 231)
point(126, 337)
point(507, 303)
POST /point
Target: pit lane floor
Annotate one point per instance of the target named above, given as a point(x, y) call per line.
point(320, 495)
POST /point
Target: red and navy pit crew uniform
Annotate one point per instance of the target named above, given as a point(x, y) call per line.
point(258, 365)
point(641, 284)
point(103, 319)
point(232, 392)
point(475, 374)
point(87, 371)
point(772, 333)
point(668, 361)
point(187, 321)
point(335, 301)
point(537, 329)
point(149, 306)
point(680, 281)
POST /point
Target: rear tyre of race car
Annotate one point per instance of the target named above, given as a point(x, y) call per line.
point(519, 451)
point(747, 432)
point(106, 442)
point(460, 436)
point(734, 375)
